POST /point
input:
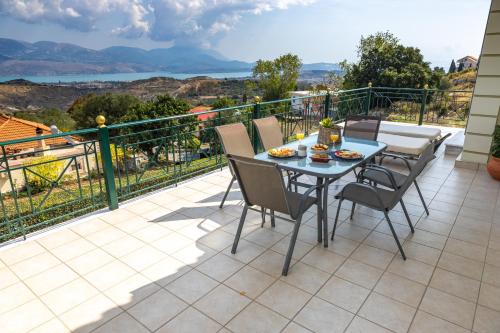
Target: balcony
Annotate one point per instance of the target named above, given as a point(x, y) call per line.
point(161, 262)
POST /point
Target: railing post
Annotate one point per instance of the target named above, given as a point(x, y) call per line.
point(327, 104)
point(107, 163)
point(422, 105)
point(368, 98)
point(255, 115)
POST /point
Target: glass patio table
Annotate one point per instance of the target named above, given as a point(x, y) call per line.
point(325, 173)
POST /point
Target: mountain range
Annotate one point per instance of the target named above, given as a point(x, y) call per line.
point(51, 58)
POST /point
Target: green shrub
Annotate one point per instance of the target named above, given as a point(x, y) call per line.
point(42, 171)
point(495, 147)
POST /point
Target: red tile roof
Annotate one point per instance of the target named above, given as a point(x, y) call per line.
point(200, 109)
point(12, 128)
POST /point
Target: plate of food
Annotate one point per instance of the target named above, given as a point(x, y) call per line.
point(321, 158)
point(319, 148)
point(282, 152)
point(346, 154)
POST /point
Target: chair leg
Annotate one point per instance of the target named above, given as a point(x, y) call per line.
point(421, 197)
point(293, 239)
point(240, 228)
point(263, 216)
point(352, 209)
point(394, 235)
point(273, 221)
point(407, 216)
point(227, 191)
point(336, 219)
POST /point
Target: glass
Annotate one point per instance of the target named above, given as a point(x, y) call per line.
point(300, 136)
point(334, 138)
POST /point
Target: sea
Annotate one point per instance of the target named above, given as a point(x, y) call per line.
point(120, 77)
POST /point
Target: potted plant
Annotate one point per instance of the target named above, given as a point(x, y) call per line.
point(327, 127)
point(493, 165)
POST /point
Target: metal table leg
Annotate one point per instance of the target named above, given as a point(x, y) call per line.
point(319, 214)
point(325, 211)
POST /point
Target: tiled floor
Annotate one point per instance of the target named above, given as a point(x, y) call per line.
point(163, 264)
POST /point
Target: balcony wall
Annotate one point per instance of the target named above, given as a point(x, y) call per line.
point(485, 107)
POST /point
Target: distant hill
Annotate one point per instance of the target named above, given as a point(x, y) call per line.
point(50, 58)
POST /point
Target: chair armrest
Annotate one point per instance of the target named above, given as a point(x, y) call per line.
point(354, 186)
point(384, 155)
point(305, 195)
point(380, 169)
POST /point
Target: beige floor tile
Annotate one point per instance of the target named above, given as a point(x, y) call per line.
point(249, 282)
point(117, 216)
point(198, 229)
point(16, 320)
point(493, 257)
point(460, 265)
point(257, 319)
point(73, 249)
point(343, 294)
point(89, 261)
point(359, 273)
point(68, 296)
point(299, 251)
point(400, 289)
point(194, 254)
point(131, 291)
point(217, 240)
point(123, 246)
point(448, 307)
point(465, 249)
point(172, 243)
point(13, 296)
point(411, 269)
point(50, 279)
point(428, 238)
point(284, 299)
point(34, 265)
point(52, 326)
point(105, 236)
point(166, 271)
point(381, 241)
point(305, 277)
point(403, 231)
point(20, 252)
point(58, 238)
point(220, 267)
point(352, 232)
point(88, 227)
point(295, 328)
point(264, 237)
point(421, 253)
point(222, 304)
point(387, 312)
point(7, 278)
point(270, 262)
point(361, 325)
point(123, 323)
point(372, 256)
point(455, 284)
point(323, 259)
point(487, 320)
point(157, 309)
point(426, 323)
point(191, 286)
point(143, 257)
point(322, 317)
point(490, 296)
point(190, 320)
point(491, 275)
point(90, 314)
point(434, 226)
point(246, 251)
point(109, 275)
point(342, 246)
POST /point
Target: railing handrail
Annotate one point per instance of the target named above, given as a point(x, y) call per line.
point(176, 117)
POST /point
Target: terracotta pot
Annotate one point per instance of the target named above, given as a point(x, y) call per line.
point(493, 167)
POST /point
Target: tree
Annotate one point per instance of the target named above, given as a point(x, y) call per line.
point(385, 62)
point(223, 102)
point(460, 67)
point(276, 78)
point(453, 67)
point(49, 117)
point(112, 106)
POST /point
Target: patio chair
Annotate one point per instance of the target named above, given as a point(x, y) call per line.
point(235, 141)
point(269, 131)
point(362, 127)
point(382, 199)
point(262, 184)
point(400, 178)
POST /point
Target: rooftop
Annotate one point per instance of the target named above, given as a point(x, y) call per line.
point(162, 263)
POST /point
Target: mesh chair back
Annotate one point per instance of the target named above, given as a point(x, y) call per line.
point(269, 132)
point(235, 140)
point(418, 167)
point(261, 183)
point(362, 127)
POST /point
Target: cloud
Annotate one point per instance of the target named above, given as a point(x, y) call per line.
point(182, 21)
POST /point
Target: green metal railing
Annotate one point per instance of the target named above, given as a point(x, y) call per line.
point(113, 163)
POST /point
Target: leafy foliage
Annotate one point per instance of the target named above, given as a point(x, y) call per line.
point(42, 171)
point(223, 102)
point(277, 77)
point(495, 146)
point(49, 117)
point(385, 62)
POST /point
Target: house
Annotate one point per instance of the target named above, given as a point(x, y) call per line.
point(467, 62)
point(204, 116)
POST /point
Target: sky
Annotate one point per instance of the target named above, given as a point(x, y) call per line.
point(316, 30)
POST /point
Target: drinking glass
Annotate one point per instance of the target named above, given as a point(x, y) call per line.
point(334, 138)
point(299, 136)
